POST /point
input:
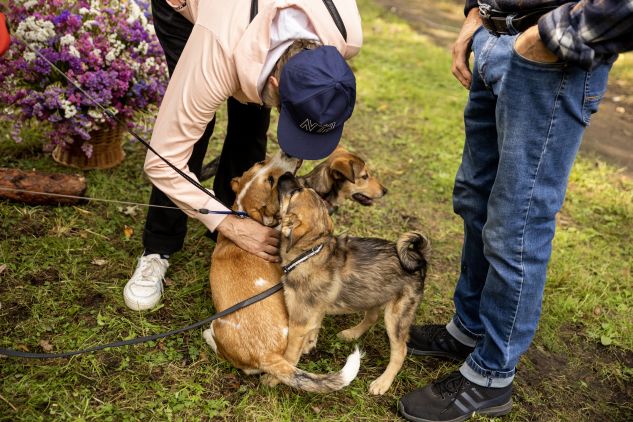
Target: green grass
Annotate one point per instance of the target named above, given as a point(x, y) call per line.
point(623, 71)
point(408, 123)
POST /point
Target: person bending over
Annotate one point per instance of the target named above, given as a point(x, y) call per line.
point(289, 55)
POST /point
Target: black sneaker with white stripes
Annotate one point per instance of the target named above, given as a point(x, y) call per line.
point(454, 399)
point(435, 340)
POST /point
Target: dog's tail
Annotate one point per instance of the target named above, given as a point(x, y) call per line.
point(314, 383)
point(413, 252)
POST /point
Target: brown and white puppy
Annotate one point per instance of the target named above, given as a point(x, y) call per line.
point(344, 175)
point(348, 275)
point(254, 338)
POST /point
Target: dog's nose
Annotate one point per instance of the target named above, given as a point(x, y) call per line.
point(286, 183)
point(384, 190)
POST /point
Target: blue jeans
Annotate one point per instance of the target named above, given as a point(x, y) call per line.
point(524, 122)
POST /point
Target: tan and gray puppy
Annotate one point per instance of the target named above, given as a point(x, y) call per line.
point(347, 275)
point(344, 175)
point(254, 338)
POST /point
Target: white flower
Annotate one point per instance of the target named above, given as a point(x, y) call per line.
point(83, 11)
point(95, 114)
point(35, 31)
point(98, 116)
point(142, 47)
point(69, 109)
point(67, 39)
point(73, 51)
point(110, 57)
point(29, 4)
point(29, 56)
point(136, 14)
point(149, 64)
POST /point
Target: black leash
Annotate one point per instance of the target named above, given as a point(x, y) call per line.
point(254, 299)
point(144, 339)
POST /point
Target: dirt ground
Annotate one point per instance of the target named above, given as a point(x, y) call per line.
point(610, 133)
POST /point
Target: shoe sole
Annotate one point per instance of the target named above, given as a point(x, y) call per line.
point(500, 410)
point(435, 354)
point(137, 306)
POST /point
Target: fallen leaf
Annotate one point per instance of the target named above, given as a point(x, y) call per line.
point(46, 345)
point(128, 231)
point(168, 281)
point(620, 110)
point(131, 211)
point(99, 262)
point(617, 99)
point(2, 268)
point(160, 345)
point(597, 311)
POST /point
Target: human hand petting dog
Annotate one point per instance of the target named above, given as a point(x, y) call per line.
point(462, 47)
point(530, 46)
point(252, 236)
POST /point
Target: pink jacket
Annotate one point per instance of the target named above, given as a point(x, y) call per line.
point(224, 57)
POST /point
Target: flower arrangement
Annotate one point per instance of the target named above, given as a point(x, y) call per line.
point(108, 46)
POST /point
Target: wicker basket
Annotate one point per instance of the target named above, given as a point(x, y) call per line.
point(107, 150)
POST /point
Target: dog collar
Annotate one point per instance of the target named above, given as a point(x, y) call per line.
point(301, 258)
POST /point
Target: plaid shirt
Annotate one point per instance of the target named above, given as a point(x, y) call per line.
point(583, 33)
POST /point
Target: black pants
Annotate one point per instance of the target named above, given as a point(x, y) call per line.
point(245, 142)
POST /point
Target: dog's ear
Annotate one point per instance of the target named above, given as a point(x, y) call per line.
point(235, 184)
point(357, 165)
point(343, 168)
point(289, 223)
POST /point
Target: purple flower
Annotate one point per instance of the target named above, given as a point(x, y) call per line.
point(94, 44)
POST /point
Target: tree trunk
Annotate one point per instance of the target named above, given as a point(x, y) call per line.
point(47, 183)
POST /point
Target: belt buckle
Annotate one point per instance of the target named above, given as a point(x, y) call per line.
point(486, 18)
point(484, 10)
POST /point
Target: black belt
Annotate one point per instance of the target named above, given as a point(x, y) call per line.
point(498, 22)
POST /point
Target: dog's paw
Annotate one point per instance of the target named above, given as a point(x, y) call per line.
point(347, 335)
point(208, 337)
point(380, 385)
point(269, 380)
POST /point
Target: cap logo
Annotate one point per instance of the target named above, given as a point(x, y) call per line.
point(314, 127)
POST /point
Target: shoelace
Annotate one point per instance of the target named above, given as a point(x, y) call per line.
point(149, 268)
point(451, 384)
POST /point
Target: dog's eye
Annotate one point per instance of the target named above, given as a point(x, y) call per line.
point(271, 180)
point(365, 176)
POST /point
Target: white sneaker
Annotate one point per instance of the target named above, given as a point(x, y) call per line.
point(145, 288)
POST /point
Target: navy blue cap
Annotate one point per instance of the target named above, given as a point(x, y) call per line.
point(317, 91)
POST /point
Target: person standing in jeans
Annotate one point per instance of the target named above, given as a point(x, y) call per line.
point(244, 145)
point(540, 71)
